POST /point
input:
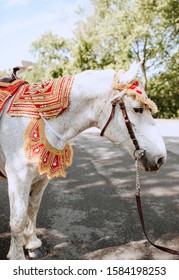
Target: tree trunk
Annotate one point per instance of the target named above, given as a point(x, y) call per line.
point(144, 75)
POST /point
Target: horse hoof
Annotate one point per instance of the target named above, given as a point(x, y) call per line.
point(36, 253)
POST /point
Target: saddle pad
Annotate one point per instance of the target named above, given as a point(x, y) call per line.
point(7, 90)
point(48, 98)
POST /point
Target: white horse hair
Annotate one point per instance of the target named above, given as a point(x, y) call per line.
point(90, 106)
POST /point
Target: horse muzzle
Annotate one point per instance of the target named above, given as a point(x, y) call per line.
point(153, 165)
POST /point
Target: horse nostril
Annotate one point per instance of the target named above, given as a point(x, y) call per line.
point(160, 161)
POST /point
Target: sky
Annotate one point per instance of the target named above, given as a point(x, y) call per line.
point(24, 21)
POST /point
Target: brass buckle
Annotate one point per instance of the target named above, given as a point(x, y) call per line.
point(138, 154)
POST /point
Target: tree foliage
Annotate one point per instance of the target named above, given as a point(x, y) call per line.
point(164, 90)
point(4, 73)
point(52, 56)
point(112, 36)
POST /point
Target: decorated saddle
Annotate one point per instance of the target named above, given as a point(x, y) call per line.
point(40, 101)
point(7, 89)
point(49, 98)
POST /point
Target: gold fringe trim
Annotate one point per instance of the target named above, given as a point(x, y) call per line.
point(143, 98)
point(147, 102)
point(38, 150)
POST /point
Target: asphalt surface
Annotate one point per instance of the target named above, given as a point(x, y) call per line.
point(92, 213)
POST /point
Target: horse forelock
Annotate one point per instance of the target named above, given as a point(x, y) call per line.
point(143, 99)
point(135, 90)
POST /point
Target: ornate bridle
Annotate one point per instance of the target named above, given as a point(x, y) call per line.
point(119, 100)
point(138, 153)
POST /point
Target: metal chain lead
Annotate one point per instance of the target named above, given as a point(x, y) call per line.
point(138, 154)
point(138, 184)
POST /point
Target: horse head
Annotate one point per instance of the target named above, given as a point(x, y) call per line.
point(131, 125)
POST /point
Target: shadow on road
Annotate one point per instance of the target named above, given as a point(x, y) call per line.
point(92, 213)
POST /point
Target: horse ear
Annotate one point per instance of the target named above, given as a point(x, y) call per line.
point(129, 75)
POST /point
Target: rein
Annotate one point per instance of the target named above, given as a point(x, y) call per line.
point(138, 154)
point(139, 208)
point(110, 118)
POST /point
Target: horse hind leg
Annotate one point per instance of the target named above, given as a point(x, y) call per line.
point(33, 245)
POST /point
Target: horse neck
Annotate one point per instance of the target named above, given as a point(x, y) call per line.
point(90, 92)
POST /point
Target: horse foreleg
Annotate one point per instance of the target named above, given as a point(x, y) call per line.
point(33, 245)
point(18, 189)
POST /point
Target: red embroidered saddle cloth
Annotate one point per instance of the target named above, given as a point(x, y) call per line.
point(9, 89)
point(48, 98)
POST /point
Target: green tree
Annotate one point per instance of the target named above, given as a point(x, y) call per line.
point(52, 56)
point(5, 73)
point(164, 90)
point(116, 33)
point(121, 31)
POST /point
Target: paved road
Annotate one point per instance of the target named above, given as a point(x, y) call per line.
point(92, 213)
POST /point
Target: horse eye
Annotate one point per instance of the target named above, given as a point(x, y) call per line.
point(138, 110)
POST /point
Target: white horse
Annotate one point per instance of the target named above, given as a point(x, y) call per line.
point(90, 106)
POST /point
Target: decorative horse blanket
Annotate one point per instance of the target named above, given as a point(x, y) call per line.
point(7, 90)
point(49, 99)
point(40, 151)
